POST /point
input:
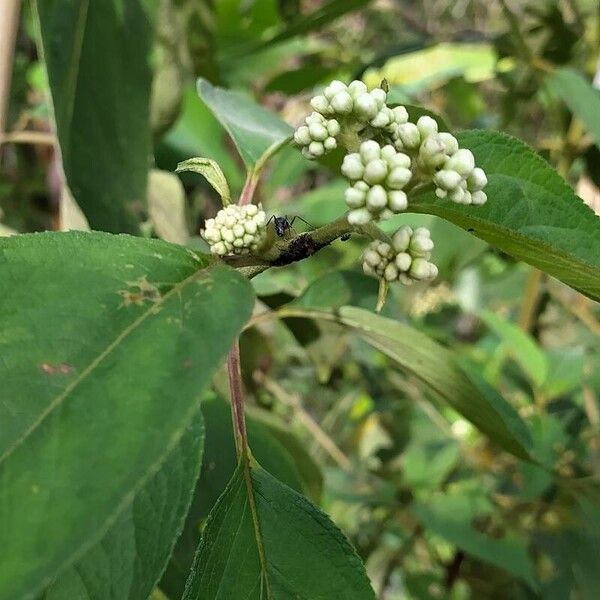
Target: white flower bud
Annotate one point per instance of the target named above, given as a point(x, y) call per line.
point(330, 144)
point(403, 261)
point(335, 87)
point(316, 149)
point(432, 151)
point(422, 269)
point(400, 115)
point(384, 249)
point(383, 118)
point(409, 135)
point(360, 216)
point(357, 88)
point(371, 257)
point(318, 132)
point(302, 136)
point(218, 248)
point(333, 127)
point(391, 272)
point(462, 161)
point(342, 103)
point(401, 239)
point(477, 180)
point(379, 95)
point(398, 178)
point(427, 126)
point(447, 180)
point(388, 152)
point(375, 171)
point(369, 150)
point(450, 142)
point(478, 198)
point(377, 198)
point(397, 201)
point(354, 198)
point(352, 166)
point(321, 105)
point(365, 106)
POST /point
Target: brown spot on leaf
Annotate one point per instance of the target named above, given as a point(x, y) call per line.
point(142, 290)
point(62, 368)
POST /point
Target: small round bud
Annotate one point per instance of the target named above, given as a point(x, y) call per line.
point(422, 269)
point(447, 180)
point(316, 149)
point(379, 96)
point(330, 144)
point(403, 261)
point(401, 238)
point(409, 135)
point(318, 132)
point(450, 142)
point(477, 180)
point(400, 160)
point(360, 216)
point(427, 126)
point(357, 88)
point(478, 198)
point(372, 258)
point(369, 150)
point(352, 166)
point(397, 201)
point(391, 272)
point(382, 118)
point(335, 87)
point(462, 161)
point(398, 178)
point(365, 106)
point(342, 103)
point(333, 127)
point(377, 198)
point(321, 105)
point(400, 115)
point(354, 198)
point(375, 171)
point(302, 136)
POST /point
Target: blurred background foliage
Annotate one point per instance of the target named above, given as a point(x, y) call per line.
point(434, 508)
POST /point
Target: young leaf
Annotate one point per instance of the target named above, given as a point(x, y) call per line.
point(264, 540)
point(127, 562)
point(211, 171)
point(531, 213)
point(108, 342)
point(105, 141)
point(255, 131)
point(521, 347)
point(578, 94)
point(436, 367)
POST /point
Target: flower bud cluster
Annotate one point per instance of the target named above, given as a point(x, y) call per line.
point(378, 176)
point(236, 229)
point(317, 135)
point(405, 260)
point(437, 155)
point(353, 100)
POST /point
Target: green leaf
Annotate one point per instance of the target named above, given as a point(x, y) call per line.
point(264, 540)
point(274, 447)
point(314, 20)
point(578, 94)
point(256, 132)
point(509, 553)
point(520, 346)
point(211, 171)
point(437, 368)
point(97, 56)
point(107, 343)
point(531, 213)
point(129, 559)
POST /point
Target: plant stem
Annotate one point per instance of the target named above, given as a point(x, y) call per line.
point(9, 23)
point(237, 399)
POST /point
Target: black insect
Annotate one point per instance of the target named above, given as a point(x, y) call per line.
point(283, 224)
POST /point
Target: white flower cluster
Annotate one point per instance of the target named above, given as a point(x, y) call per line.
point(236, 229)
point(405, 260)
point(437, 155)
point(317, 136)
point(341, 100)
point(378, 176)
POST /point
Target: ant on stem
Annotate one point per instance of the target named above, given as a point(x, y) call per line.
point(283, 224)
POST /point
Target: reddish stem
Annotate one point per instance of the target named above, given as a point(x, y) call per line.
point(237, 398)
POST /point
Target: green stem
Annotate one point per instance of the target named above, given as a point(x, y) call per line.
point(237, 400)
